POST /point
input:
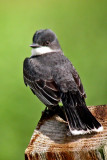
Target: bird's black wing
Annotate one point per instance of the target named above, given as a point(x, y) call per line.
point(78, 81)
point(45, 89)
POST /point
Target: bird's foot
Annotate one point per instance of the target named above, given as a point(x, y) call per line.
point(46, 111)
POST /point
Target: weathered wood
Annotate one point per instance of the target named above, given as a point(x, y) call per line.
point(52, 141)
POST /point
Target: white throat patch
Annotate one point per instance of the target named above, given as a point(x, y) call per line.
point(41, 50)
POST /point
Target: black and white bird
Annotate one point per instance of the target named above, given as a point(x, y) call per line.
point(53, 78)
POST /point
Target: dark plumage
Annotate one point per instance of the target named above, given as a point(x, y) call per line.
point(52, 78)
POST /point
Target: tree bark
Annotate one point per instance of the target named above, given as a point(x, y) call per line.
point(52, 140)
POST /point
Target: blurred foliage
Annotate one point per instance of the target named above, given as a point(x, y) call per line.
point(81, 27)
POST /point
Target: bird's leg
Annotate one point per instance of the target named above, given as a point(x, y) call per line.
point(54, 110)
point(45, 110)
point(47, 113)
point(58, 110)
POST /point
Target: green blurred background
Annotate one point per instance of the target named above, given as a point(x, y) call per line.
point(81, 27)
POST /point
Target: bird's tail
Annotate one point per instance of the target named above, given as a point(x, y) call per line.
point(80, 119)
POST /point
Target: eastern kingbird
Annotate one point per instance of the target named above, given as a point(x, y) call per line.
point(53, 78)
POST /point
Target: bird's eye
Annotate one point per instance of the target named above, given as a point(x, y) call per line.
point(46, 43)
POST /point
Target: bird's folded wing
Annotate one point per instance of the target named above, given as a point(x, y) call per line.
point(78, 81)
point(46, 90)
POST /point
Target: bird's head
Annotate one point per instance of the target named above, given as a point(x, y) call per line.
point(44, 41)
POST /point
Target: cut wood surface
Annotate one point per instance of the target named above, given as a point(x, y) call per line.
point(52, 140)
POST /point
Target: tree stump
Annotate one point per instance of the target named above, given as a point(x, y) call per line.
point(52, 140)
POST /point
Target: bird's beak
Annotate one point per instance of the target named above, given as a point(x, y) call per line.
point(34, 45)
